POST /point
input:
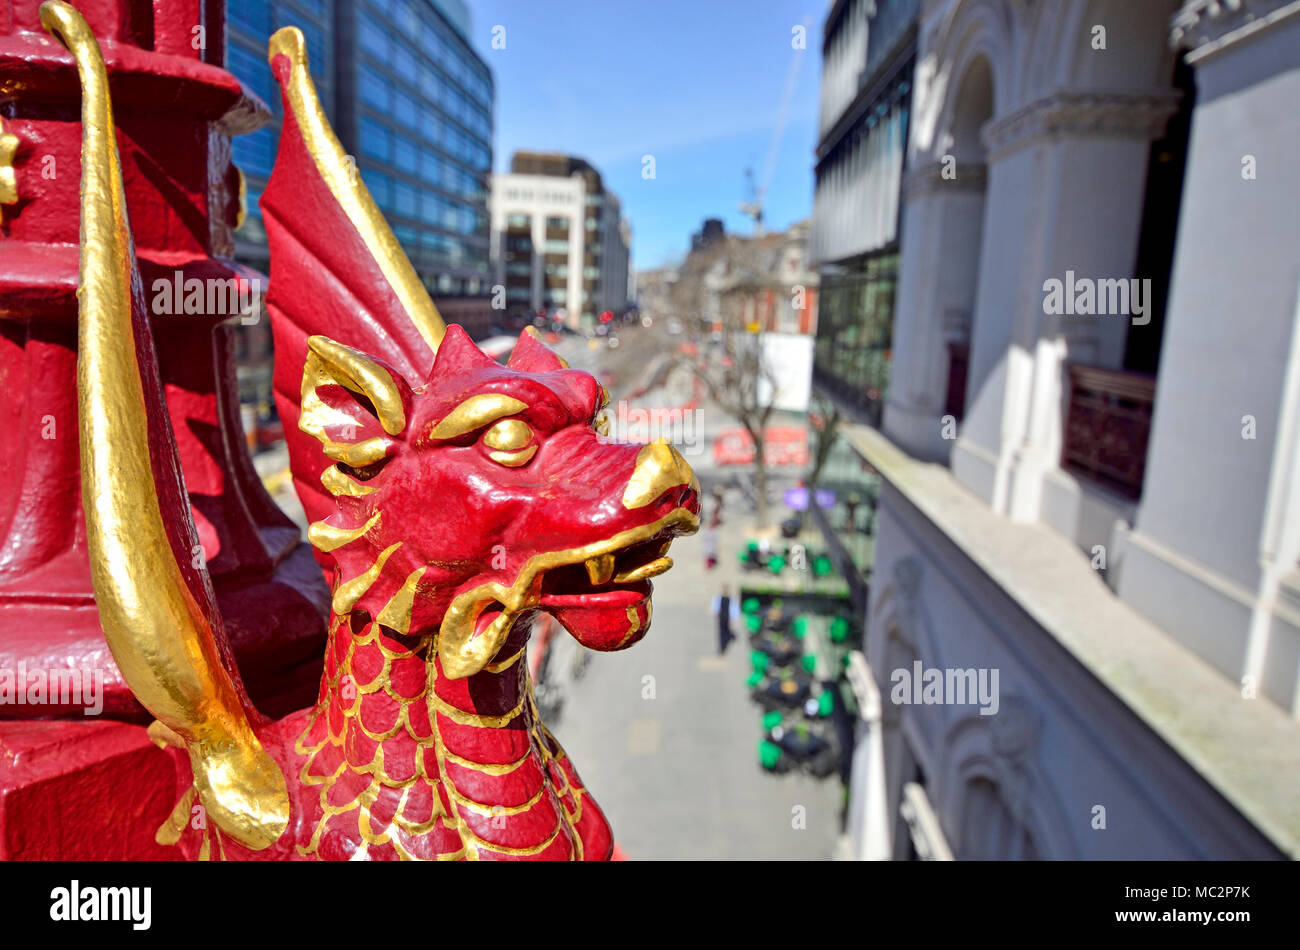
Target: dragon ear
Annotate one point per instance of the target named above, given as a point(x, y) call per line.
point(531, 355)
point(353, 403)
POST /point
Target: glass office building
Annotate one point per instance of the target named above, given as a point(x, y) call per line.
point(412, 101)
point(415, 107)
point(249, 24)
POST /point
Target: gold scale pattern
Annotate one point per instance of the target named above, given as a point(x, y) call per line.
point(436, 809)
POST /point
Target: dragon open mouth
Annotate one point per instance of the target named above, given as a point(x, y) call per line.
point(606, 578)
point(599, 592)
point(603, 600)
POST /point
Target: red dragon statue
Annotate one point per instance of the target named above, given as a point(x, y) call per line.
point(451, 500)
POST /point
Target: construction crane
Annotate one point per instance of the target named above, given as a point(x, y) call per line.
point(758, 192)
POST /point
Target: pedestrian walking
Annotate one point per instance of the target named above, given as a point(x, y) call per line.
point(710, 548)
point(727, 611)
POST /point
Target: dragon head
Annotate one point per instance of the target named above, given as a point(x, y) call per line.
point(470, 499)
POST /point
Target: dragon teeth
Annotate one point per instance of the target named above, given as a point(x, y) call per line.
point(600, 568)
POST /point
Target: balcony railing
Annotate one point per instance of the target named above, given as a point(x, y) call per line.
point(958, 365)
point(1107, 427)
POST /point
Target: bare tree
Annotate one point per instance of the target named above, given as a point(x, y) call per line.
point(708, 297)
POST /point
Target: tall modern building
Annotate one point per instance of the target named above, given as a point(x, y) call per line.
point(249, 24)
point(869, 57)
point(560, 241)
point(412, 101)
point(1082, 630)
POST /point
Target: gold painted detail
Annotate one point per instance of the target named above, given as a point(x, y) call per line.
point(344, 182)
point(241, 215)
point(359, 373)
point(508, 435)
point(600, 568)
point(659, 467)
point(349, 592)
point(325, 537)
point(8, 180)
point(396, 614)
point(463, 652)
point(403, 827)
point(514, 459)
point(160, 636)
point(336, 483)
point(474, 413)
point(358, 454)
point(333, 363)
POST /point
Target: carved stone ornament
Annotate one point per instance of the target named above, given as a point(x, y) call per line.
point(1206, 26)
point(1126, 115)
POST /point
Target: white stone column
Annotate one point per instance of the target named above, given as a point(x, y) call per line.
point(1213, 555)
point(939, 255)
point(1067, 175)
point(537, 282)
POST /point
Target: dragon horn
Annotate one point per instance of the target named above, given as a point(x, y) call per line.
point(339, 171)
point(162, 637)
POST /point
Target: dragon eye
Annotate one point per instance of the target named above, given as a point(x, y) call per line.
point(508, 439)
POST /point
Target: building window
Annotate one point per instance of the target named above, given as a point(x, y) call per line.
point(255, 153)
point(374, 89)
point(380, 186)
point(251, 16)
point(406, 156)
point(435, 171)
point(855, 331)
point(376, 140)
point(430, 125)
point(374, 40)
point(254, 71)
point(405, 200)
point(404, 64)
point(405, 111)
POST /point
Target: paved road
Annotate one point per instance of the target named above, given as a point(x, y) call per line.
point(665, 736)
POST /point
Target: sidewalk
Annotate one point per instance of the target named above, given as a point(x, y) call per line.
point(664, 734)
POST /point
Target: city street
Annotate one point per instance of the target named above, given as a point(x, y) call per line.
point(664, 734)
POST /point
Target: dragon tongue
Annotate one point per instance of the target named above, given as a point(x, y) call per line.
point(607, 620)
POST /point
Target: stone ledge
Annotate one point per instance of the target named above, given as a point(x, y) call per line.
point(1207, 27)
point(1248, 750)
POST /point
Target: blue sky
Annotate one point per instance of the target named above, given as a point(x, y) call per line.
point(698, 85)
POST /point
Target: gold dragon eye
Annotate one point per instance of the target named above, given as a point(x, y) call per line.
point(509, 439)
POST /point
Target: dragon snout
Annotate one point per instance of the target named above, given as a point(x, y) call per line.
point(661, 471)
